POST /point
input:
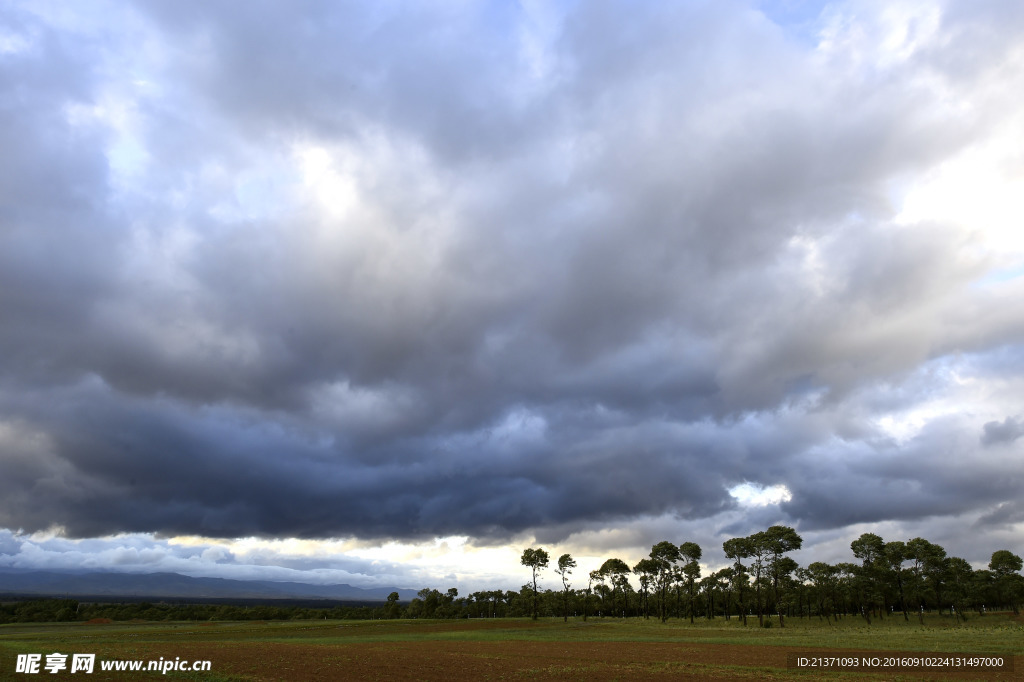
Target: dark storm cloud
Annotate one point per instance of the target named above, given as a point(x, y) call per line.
point(227, 473)
point(326, 270)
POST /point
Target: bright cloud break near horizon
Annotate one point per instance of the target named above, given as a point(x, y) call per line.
point(385, 292)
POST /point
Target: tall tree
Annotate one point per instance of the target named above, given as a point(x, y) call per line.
point(591, 577)
point(982, 588)
point(565, 565)
point(739, 549)
point(784, 586)
point(870, 549)
point(430, 599)
point(729, 584)
point(678, 582)
point(935, 573)
point(536, 559)
point(846, 573)
point(1006, 566)
point(711, 585)
point(959, 574)
point(691, 553)
point(602, 590)
point(823, 578)
point(777, 541)
point(664, 554)
point(894, 554)
point(647, 571)
point(926, 570)
point(760, 553)
point(392, 608)
point(616, 570)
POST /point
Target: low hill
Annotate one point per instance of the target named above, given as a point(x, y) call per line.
point(174, 585)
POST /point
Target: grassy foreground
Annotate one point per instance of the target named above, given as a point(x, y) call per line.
point(509, 648)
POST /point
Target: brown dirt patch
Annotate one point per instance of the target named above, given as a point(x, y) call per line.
point(519, 660)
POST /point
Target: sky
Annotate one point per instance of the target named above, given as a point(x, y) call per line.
point(385, 292)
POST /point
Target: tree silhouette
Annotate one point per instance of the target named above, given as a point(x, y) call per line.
point(1006, 566)
point(776, 541)
point(691, 552)
point(894, 554)
point(616, 570)
point(536, 559)
point(565, 565)
point(664, 555)
point(739, 549)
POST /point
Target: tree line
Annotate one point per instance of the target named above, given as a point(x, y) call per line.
point(73, 610)
point(889, 579)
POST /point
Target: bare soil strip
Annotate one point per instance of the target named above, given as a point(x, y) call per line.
point(519, 660)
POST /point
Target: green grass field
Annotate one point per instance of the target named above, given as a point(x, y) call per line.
point(510, 648)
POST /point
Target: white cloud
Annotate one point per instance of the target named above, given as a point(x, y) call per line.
point(755, 495)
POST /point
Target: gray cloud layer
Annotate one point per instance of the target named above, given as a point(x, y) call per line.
point(330, 269)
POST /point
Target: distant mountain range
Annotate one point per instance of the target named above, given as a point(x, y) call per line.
point(176, 586)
